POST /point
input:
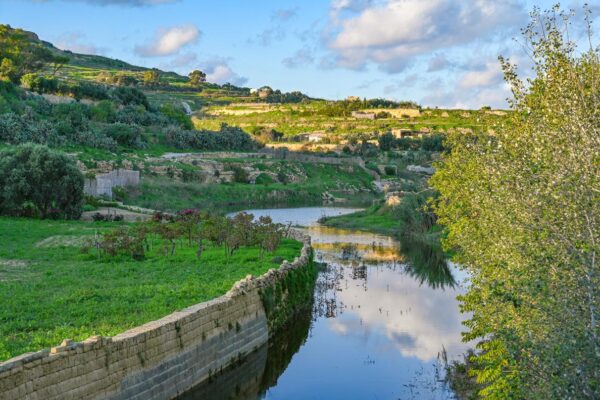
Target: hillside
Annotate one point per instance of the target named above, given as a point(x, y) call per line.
point(110, 115)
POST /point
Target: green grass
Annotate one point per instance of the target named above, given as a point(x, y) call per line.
point(52, 293)
point(162, 193)
point(377, 218)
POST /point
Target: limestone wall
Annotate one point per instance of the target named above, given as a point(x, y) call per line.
point(158, 360)
point(104, 183)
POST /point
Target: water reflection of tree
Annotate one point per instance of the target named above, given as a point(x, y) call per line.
point(427, 263)
point(283, 346)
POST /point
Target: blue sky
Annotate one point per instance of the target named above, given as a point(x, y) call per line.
point(436, 52)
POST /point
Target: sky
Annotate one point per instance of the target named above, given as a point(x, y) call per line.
point(435, 52)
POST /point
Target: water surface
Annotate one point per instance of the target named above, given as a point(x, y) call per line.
point(384, 315)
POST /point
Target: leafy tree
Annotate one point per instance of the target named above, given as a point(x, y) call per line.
point(386, 141)
point(22, 53)
point(49, 180)
point(522, 212)
point(433, 142)
point(151, 77)
point(197, 77)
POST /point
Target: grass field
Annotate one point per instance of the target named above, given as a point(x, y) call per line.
point(378, 219)
point(161, 193)
point(50, 290)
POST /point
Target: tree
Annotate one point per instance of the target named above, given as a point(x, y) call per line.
point(386, 141)
point(32, 175)
point(522, 211)
point(151, 77)
point(22, 53)
point(197, 77)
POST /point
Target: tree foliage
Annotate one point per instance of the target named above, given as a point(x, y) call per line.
point(197, 77)
point(21, 53)
point(522, 210)
point(37, 181)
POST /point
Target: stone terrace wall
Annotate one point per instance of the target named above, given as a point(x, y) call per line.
point(158, 360)
point(104, 183)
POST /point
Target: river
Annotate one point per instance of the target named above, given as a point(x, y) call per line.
point(384, 317)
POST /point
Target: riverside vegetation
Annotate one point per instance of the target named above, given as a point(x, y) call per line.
point(522, 212)
point(76, 279)
point(514, 200)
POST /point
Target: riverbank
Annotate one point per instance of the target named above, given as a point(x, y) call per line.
point(51, 290)
point(298, 184)
point(378, 218)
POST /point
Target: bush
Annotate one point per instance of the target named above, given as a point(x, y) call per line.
point(264, 179)
point(40, 84)
point(178, 115)
point(130, 96)
point(123, 134)
point(25, 128)
point(433, 142)
point(239, 174)
point(48, 180)
point(227, 138)
point(104, 111)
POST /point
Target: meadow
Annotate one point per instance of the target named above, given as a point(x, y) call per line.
point(50, 290)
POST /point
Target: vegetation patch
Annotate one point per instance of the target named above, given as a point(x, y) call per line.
point(52, 293)
point(290, 295)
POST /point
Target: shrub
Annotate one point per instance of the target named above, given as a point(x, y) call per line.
point(227, 138)
point(125, 135)
point(104, 111)
point(38, 83)
point(239, 174)
point(433, 142)
point(178, 115)
point(49, 180)
point(130, 96)
point(264, 179)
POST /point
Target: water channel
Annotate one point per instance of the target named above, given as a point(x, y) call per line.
point(384, 316)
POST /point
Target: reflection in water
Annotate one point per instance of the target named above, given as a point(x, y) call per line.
point(427, 263)
point(261, 369)
point(382, 313)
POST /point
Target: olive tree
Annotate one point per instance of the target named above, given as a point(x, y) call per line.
point(33, 175)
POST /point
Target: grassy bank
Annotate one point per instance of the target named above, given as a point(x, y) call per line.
point(378, 218)
point(162, 193)
point(50, 290)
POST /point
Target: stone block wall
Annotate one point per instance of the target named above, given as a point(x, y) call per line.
point(104, 183)
point(158, 360)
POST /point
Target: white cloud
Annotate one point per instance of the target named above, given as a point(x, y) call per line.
point(391, 34)
point(72, 41)
point(219, 71)
point(169, 41)
point(489, 75)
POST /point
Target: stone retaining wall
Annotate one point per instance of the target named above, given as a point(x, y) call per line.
point(158, 360)
point(103, 184)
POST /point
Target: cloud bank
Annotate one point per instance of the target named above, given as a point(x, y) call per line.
point(391, 34)
point(168, 41)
